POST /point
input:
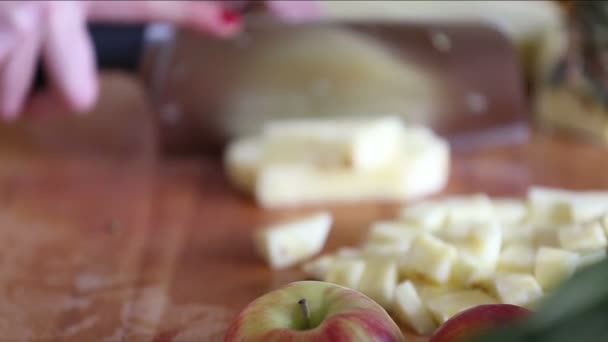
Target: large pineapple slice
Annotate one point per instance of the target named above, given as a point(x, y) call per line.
point(429, 257)
point(517, 289)
point(517, 257)
point(409, 309)
point(583, 237)
point(553, 266)
point(379, 281)
point(357, 143)
point(445, 306)
point(287, 243)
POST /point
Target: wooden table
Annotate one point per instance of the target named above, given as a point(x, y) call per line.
point(131, 247)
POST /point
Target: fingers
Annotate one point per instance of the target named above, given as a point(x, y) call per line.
point(204, 16)
point(19, 63)
point(295, 11)
point(68, 55)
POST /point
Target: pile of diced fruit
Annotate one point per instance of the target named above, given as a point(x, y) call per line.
point(442, 256)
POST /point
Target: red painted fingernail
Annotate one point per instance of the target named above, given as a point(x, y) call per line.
point(230, 16)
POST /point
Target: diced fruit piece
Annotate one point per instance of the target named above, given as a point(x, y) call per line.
point(348, 252)
point(485, 242)
point(389, 232)
point(285, 244)
point(467, 269)
point(428, 291)
point(468, 209)
point(379, 281)
point(242, 161)
point(448, 305)
point(357, 143)
point(563, 206)
point(517, 288)
point(591, 258)
point(517, 257)
point(583, 237)
point(517, 233)
point(430, 216)
point(393, 250)
point(585, 210)
point(430, 257)
point(553, 266)
point(509, 210)
point(318, 267)
point(546, 235)
point(411, 311)
point(345, 272)
point(477, 320)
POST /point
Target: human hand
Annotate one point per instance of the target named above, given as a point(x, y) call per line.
point(56, 30)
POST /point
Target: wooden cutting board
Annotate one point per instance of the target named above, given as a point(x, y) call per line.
point(99, 247)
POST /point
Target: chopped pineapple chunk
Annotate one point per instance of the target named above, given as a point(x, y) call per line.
point(468, 209)
point(393, 251)
point(517, 257)
point(583, 237)
point(411, 311)
point(379, 281)
point(553, 266)
point(287, 243)
point(517, 289)
point(391, 232)
point(430, 216)
point(345, 272)
point(448, 305)
point(430, 257)
point(517, 233)
point(591, 258)
point(318, 267)
point(509, 210)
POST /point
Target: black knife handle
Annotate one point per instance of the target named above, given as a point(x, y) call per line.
point(117, 46)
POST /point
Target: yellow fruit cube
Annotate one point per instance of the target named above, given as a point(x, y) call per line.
point(468, 209)
point(287, 243)
point(553, 266)
point(509, 210)
point(430, 257)
point(517, 233)
point(410, 310)
point(391, 232)
point(445, 306)
point(348, 252)
point(517, 289)
point(394, 250)
point(345, 272)
point(517, 257)
point(429, 216)
point(546, 235)
point(591, 258)
point(582, 237)
point(467, 269)
point(379, 281)
point(318, 267)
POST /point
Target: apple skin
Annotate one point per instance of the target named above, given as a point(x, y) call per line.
point(337, 314)
point(477, 320)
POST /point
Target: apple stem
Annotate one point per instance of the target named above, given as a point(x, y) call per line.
point(306, 311)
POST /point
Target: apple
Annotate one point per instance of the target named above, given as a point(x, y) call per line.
point(313, 311)
point(477, 320)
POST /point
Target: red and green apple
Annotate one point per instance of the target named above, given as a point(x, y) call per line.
point(313, 311)
point(477, 320)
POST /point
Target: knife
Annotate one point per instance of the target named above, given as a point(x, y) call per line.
point(461, 79)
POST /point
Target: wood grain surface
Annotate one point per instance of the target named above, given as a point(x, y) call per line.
point(97, 245)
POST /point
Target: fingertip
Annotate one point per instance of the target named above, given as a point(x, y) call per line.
point(83, 100)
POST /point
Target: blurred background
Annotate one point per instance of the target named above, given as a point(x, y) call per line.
point(464, 67)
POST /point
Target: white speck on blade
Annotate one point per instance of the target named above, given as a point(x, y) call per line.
point(78, 327)
point(476, 102)
point(89, 282)
point(441, 41)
